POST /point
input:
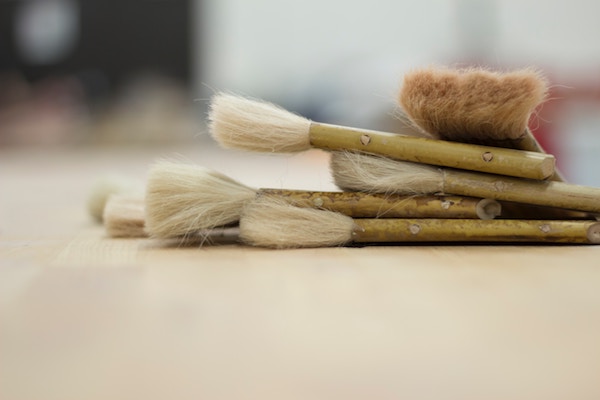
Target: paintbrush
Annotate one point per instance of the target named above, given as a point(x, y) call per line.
point(106, 186)
point(269, 222)
point(237, 122)
point(352, 171)
point(124, 216)
point(480, 106)
point(474, 105)
point(182, 199)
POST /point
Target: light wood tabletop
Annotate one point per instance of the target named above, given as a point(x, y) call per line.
point(84, 316)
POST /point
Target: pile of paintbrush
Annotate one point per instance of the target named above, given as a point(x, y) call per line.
point(448, 187)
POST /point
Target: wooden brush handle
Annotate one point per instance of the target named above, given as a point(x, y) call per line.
point(528, 142)
point(541, 193)
point(360, 205)
point(435, 152)
point(472, 230)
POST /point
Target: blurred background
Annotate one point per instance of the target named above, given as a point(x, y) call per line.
point(99, 72)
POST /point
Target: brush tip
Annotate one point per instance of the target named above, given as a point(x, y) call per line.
point(274, 223)
point(376, 174)
point(248, 124)
point(472, 105)
point(124, 216)
point(105, 187)
point(182, 199)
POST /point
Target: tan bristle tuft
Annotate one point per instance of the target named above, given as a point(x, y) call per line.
point(240, 123)
point(271, 222)
point(183, 199)
point(124, 216)
point(354, 171)
point(472, 105)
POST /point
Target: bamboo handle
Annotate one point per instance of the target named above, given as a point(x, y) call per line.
point(361, 205)
point(528, 142)
point(495, 160)
point(472, 230)
point(541, 193)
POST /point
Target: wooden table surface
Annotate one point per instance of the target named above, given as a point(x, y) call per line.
point(84, 316)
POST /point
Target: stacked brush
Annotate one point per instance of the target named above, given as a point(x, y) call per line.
point(476, 175)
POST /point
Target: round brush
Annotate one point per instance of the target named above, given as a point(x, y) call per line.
point(182, 199)
point(379, 174)
point(237, 122)
point(269, 222)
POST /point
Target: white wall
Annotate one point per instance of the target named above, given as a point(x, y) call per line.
point(343, 59)
point(289, 51)
point(268, 45)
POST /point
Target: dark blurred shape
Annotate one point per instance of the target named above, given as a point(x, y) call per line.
point(104, 44)
point(70, 71)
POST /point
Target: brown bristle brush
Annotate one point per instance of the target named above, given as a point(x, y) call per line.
point(182, 199)
point(479, 106)
point(269, 222)
point(237, 122)
point(474, 105)
point(353, 171)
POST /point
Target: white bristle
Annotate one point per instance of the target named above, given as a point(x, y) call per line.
point(183, 199)
point(106, 186)
point(124, 216)
point(241, 123)
point(270, 222)
point(354, 171)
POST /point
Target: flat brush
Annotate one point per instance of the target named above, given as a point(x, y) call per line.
point(241, 123)
point(474, 105)
point(379, 174)
point(272, 223)
point(182, 199)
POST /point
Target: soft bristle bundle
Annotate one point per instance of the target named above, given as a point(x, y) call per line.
point(271, 222)
point(241, 123)
point(105, 187)
point(124, 216)
point(183, 199)
point(354, 171)
point(472, 105)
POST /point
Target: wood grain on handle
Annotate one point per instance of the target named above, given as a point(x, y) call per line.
point(542, 193)
point(472, 230)
point(517, 163)
point(360, 204)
